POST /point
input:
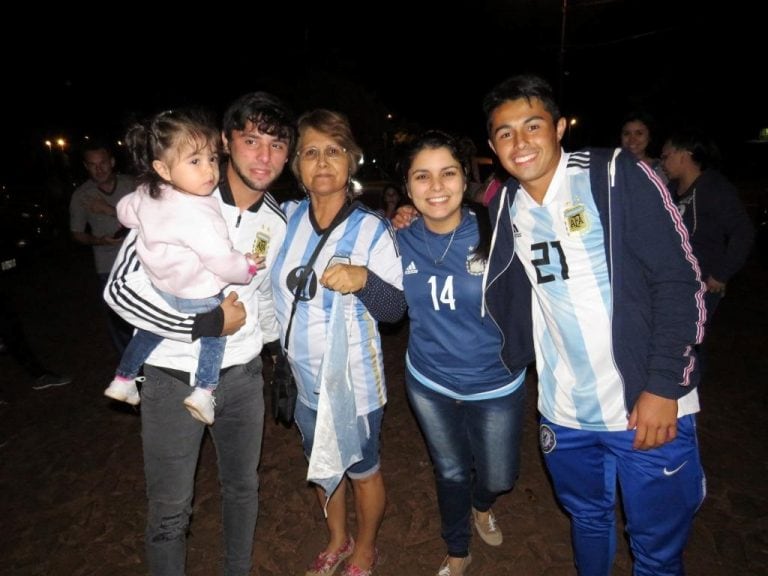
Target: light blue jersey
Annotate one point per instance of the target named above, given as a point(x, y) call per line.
point(561, 246)
point(363, 238)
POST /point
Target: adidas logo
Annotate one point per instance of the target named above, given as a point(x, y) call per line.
point(411, 268)
point(515, 231)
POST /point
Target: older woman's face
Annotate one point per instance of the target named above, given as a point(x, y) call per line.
point(323, 164)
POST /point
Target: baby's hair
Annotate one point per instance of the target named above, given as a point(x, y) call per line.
point(163, 135)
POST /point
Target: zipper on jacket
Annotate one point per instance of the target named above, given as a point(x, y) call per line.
point(609, 263)
point(485, 284)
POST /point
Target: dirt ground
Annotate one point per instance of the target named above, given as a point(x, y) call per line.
point(72, 488)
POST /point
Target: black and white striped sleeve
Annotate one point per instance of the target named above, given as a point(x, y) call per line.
point(130, 294)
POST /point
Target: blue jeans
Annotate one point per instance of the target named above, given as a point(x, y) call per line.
point(661, 490)
point(171, 442)
point(475, 451)
point(368, 426)
point(211, 348)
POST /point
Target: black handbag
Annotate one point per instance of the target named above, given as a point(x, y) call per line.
point(284, 392)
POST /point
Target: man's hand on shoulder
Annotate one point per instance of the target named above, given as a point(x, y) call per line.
point(654, 420)
point(403, 216)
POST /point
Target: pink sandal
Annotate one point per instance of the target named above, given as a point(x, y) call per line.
point(325, 564)
point(353, 570)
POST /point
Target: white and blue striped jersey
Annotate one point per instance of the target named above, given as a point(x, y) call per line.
point(452, 348)
point(562, 248)
point(364, 238)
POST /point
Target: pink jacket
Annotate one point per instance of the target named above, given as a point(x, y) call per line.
point(183, 242)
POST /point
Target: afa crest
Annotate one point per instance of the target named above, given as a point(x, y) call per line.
point(261, 244)
point(576, 219)
point(475, 265)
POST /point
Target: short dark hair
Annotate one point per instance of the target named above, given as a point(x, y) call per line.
point(526, 86)
point(96, 144)
point(267, 112)
point(704, 152)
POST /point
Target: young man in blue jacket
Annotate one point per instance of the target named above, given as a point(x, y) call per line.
point(589, 256)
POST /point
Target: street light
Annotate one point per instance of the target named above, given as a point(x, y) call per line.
point(61, 143)
point(571, 123)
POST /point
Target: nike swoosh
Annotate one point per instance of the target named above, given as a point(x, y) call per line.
point(675, 471)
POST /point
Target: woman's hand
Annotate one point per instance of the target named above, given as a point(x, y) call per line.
point(344, 278)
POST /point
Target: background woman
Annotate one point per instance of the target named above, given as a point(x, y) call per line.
point(469, 405)
point(360, 260)
point(637, 133)
point(391, 200)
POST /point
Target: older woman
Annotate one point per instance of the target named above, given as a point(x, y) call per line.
point(359, 259)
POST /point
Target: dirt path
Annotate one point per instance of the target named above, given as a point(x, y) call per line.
point(72, 490)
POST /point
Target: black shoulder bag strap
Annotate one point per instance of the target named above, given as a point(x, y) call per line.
point(302, 280)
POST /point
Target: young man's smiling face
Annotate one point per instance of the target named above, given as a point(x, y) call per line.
point(527, 141)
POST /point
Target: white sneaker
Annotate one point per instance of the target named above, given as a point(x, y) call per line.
point(124, 390)
point(200, 404)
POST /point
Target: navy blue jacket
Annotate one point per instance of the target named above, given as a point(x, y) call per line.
point(658, 311)
point(718, 224)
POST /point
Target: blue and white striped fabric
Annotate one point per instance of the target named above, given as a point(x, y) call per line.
point(361, 239)
point(561, 246)
point(337, 440)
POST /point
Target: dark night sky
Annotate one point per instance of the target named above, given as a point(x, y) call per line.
point(685, 64)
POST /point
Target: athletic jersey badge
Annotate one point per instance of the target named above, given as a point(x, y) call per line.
point(261, 243)
point(411, 268)
point(475, 265)
point(576, 221)
point(547, 439)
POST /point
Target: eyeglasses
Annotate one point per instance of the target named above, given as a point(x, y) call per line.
point(331, 153)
